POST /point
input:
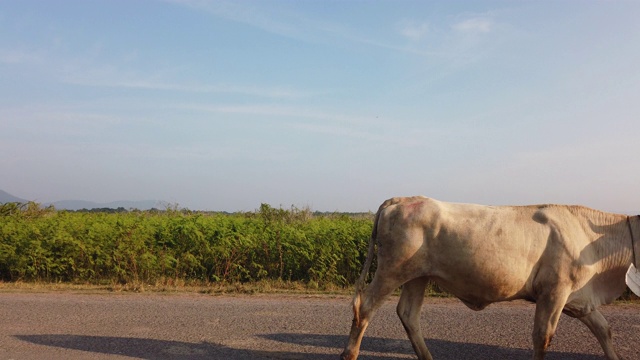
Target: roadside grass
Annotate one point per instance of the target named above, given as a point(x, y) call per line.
point(264, 287)
point(177, 287)
point(180, 286)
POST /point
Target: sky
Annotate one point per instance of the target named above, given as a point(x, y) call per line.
point(330, 105)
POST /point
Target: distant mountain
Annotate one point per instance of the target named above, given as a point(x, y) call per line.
point(81, 204)
point(5, 197)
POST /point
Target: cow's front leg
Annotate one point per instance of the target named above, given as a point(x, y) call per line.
point(600, 328)
point(364, 306)
point(548, 310)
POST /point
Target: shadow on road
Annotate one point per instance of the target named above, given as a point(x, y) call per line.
point(440, 349)
point(164, 349)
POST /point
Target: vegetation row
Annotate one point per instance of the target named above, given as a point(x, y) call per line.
point(43, 244)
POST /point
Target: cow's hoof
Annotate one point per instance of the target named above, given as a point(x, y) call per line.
point(347, 355)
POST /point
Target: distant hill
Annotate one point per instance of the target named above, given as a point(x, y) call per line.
point(81, 204)
point(5, 197)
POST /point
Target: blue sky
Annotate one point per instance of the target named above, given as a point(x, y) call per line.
point(335, 105)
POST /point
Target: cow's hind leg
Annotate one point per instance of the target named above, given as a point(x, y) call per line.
point(409, 312)
point(600, 328)
point(365, 305)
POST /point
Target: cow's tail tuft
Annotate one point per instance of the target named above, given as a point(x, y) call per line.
point(360, 283)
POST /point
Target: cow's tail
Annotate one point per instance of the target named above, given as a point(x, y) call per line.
point(360, 283)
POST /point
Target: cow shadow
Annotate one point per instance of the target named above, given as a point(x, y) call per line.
point(169, 350)
point(440, 349)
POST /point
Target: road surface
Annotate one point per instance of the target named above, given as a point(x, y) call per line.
point(194, 326)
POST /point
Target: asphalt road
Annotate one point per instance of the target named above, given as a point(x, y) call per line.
point(192, 326)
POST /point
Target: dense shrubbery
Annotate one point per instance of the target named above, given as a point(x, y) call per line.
point(39, 244)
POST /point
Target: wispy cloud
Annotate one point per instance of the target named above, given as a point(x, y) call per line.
point(366, 128)
point(293, 25)
point(142, 84)
point(474, 25)
point(56, 122)
point(86, 71)
point(14, 57)
point(289, 23)
point(414, 31)
point(381, 135)
point(90, 70)
point(194, 152)
point(244, 12)
point(282, 111)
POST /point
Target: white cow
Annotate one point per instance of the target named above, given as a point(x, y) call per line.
point(568, 259)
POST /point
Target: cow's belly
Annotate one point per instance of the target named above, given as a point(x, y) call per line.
point(478, 291)
point(478, 294)
point(483, 275)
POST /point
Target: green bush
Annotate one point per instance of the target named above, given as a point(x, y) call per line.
point(153, 246)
